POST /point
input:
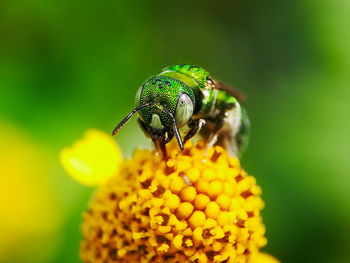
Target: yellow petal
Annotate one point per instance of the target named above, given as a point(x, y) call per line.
point(93, 159)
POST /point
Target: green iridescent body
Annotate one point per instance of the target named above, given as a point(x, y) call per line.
point(187, 95)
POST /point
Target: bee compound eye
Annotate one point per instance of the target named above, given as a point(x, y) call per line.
point(184, 109)
point(138, 95)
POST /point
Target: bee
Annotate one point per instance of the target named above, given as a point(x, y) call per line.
point(185, 95)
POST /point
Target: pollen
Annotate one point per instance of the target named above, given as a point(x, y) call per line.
point(196, 207)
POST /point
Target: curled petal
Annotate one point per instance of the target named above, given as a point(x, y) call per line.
point(93, 159)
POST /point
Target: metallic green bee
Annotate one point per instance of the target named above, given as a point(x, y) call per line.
point(187, 95)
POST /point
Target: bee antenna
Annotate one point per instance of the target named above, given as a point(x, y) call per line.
point(125, 120)
point(176, 130)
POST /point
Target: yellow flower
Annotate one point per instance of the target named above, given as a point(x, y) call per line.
point(93, 159)
point(189, 209)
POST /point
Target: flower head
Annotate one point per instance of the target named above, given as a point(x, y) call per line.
point(192, 208)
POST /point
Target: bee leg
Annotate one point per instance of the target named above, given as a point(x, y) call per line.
point(170, 135)
point(212, 140)
point(160, 146)
point(195, 126)
point(163, 150)
point(213, 137)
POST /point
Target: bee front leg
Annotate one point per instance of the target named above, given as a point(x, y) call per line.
point(160, 146)
point(170, 136)
point(195, 126)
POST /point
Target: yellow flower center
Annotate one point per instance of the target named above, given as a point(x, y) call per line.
point(192, 208)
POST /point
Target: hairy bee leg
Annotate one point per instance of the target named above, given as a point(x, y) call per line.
point(213, 136)
point(242, 137)
point(195, 126)
point(229, 134)
point(213, 139)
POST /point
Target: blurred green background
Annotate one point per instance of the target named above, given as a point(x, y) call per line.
point(66, 66)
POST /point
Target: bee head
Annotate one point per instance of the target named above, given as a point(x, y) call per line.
point(163, 93)
point(163, 104)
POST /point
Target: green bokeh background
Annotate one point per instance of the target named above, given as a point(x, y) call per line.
point(66, 66)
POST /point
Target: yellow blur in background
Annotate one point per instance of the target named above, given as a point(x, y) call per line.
point(30, 213)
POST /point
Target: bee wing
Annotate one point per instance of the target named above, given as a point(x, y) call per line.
point(232, 91)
